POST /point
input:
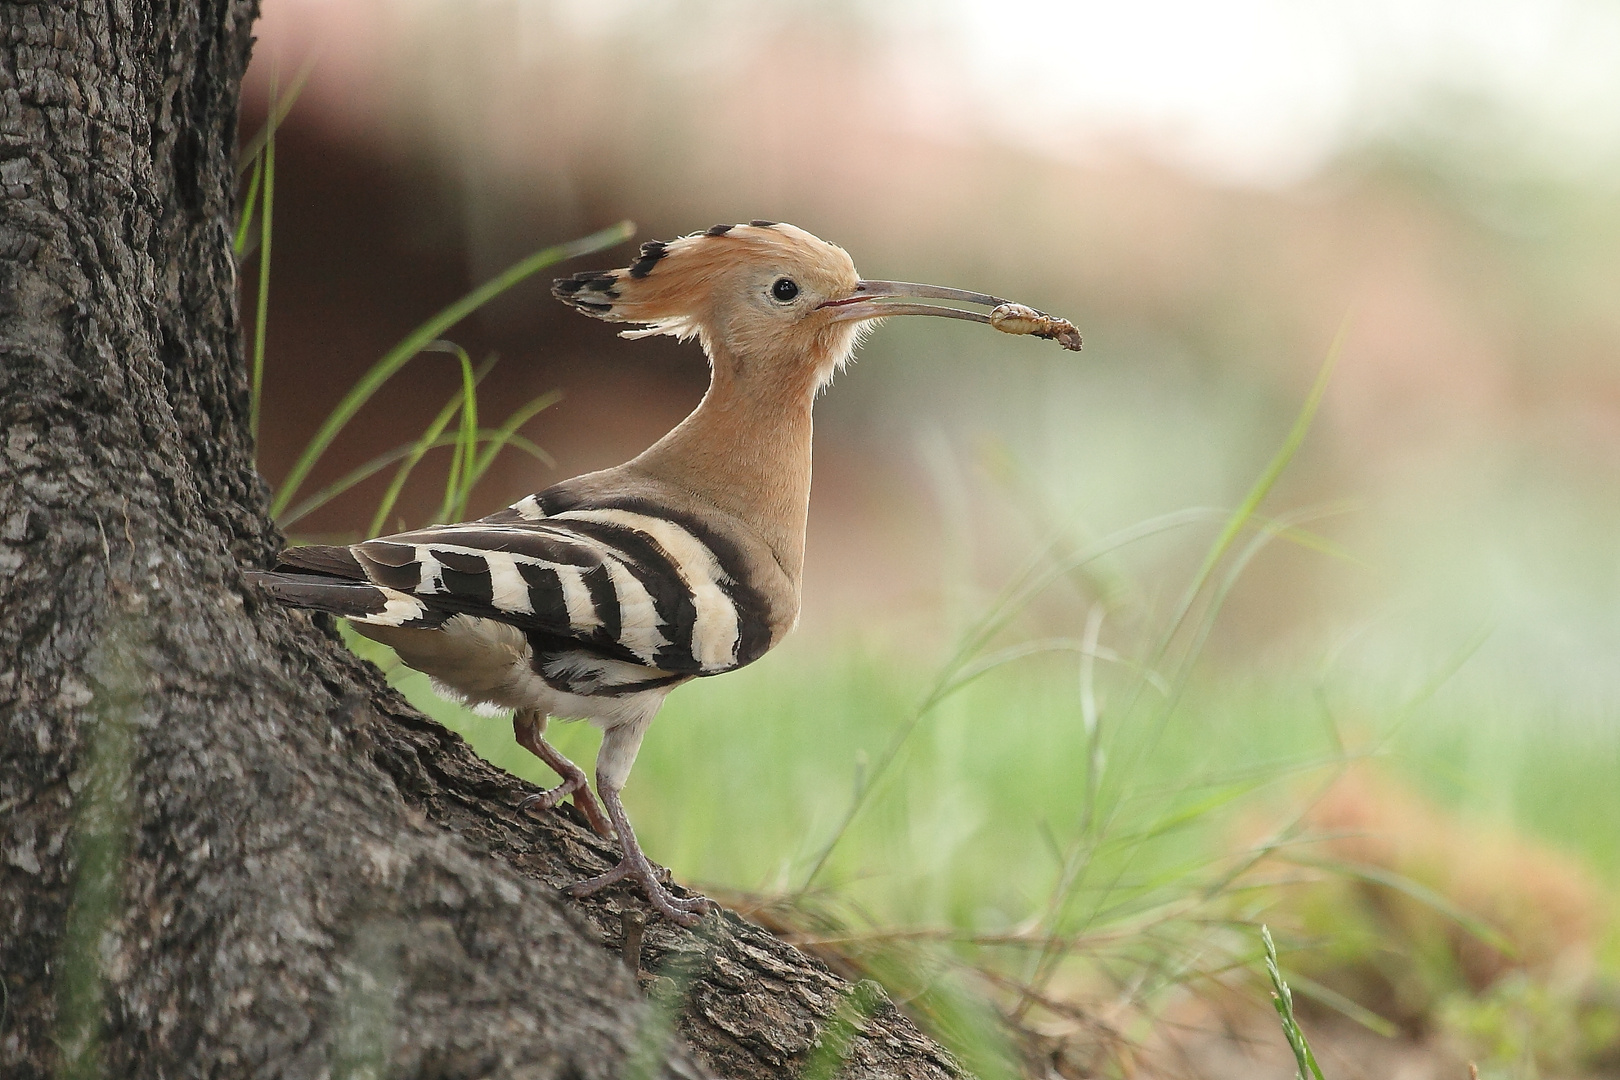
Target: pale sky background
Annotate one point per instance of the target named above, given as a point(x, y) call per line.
point(1265, 90)
point(1259, 91)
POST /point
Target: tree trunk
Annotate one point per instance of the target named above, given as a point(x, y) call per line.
point(226, 847)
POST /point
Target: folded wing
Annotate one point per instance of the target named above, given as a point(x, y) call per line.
point(620, 577)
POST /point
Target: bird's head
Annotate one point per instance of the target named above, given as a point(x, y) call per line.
point(770, 300)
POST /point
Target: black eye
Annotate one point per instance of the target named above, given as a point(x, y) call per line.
point(784, 289)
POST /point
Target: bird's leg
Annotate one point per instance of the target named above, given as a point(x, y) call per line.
point(688, 911)
point(613, 761)
point(528, 726)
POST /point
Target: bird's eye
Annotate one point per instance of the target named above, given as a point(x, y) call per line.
point(785, 289)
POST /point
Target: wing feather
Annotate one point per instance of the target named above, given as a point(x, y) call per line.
point(619, 578)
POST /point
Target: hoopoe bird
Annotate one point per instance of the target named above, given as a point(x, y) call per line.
point(596, 597)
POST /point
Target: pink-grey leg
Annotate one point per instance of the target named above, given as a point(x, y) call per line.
point(529, 726)
point(688, 911)
point(613, 761)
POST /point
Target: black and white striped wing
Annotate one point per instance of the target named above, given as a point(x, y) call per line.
point(624, 579)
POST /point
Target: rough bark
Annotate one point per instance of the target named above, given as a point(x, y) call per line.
point(226, 847)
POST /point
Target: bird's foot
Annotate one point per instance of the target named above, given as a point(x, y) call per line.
point(577, 786)
point(687, 911)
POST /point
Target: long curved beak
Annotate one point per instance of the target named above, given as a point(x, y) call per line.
point(878, 300)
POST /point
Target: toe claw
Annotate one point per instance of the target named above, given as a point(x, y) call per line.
point(687, 911)
point(542, 800)
point(686, 919)
point(699, 905)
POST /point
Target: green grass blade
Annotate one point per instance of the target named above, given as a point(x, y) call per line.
point(1182, 814)
point(1428, 690)
point(1000, 658)
point(263, 307)
point(466, 433)
point(1269, 529)
point(469, 438)
point(507, 433)
point(1321, 545)
point(1282, 999)
point(428, 440)
point(1344, 1006)
point(239, 241)
point(280, 106)
point(359, 474)
point(1070, 879)
point(405, 452)
point(1040, 573)
point(1244, 516)
point(1262, 485)
point(528, 446)
point(396, 358)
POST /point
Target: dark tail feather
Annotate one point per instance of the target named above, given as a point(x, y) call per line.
point(320, 559)
point(350, 599)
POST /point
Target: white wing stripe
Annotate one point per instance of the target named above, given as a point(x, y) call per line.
point(638, 615)
point(577, 596)
point(508, 590)
point(398, 608)
point(432, 580)
point(529, 507)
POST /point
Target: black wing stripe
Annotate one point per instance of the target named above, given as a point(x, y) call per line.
point(462, 562)
point(533, 540)
point(510, 516)
point(605, 600)
point(551, 578)
point(465, 575)
point(628, 688)
point(714, 634)
point(389, 564)
point(547, 647)
point(545, 592)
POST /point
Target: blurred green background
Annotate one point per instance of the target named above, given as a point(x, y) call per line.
point(1419, 681)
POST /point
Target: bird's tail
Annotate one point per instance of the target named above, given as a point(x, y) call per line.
point(357, 600)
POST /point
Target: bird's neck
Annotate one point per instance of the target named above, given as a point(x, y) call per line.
point(746, 449)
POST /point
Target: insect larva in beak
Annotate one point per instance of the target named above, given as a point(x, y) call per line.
point(1020, 319)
